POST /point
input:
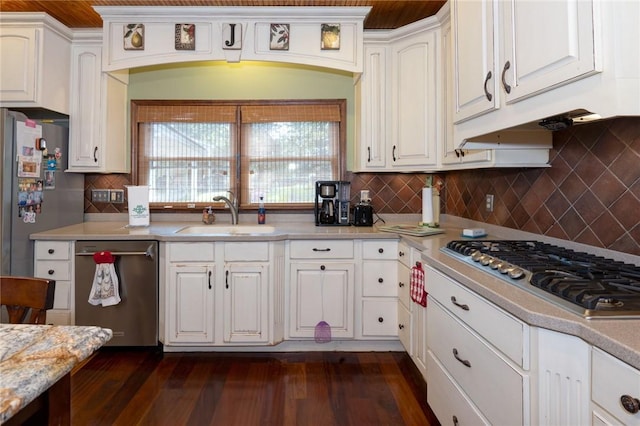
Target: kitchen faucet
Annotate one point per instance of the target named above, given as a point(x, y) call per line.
point(232, 206)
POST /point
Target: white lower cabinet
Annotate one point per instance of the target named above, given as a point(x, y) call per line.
point(615, 390)
point(224, 293)
point(191, 300)
point(321, 287)
point(479, 351)
point(54, 260)
point(404, 297)
point(379, 290)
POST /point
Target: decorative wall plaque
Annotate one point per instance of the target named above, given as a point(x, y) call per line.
point(279, 37)
point(232, 36)
point(185, 36)
point(133, 37)
point(330, 37)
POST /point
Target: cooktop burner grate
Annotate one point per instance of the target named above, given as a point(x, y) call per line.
point(593, 286)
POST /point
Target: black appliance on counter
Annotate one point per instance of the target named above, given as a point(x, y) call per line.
point(591, 286)
point(332, 201)
point(363, 214)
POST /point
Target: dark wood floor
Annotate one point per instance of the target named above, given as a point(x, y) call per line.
point(146, 387)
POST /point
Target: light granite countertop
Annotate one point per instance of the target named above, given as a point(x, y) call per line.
point(617, 337)
point(34, 357)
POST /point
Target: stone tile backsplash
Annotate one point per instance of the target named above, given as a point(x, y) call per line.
point(590, 194)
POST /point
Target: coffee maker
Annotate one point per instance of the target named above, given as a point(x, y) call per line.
point(332, 199)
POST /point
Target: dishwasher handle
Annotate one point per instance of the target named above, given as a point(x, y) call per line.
point(148, 253)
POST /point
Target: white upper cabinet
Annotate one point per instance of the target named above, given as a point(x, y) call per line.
point(34, 62)
point(475, 83)
point(517, 62)
point(539, 45)
point(414, 101)
point(98, 114)
point(372, 108)
point(544, 44)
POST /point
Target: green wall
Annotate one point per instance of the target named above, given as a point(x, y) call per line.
point(245, 80)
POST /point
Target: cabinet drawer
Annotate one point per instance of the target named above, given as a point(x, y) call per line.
point(378, 249)
point(380, 278)
point(59, 271)
point(404, 327)
point(494, 386)
point(404, 283)
point(611, 379)
point(321, 249)
point(448, 402)
point(191, 252)
point(53, 250)
point(499, 328)
point(239, 252)
point(380, 317)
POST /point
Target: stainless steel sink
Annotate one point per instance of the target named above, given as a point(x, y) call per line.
point(226, 229)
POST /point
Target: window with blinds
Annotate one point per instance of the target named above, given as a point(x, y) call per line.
point(189, 152)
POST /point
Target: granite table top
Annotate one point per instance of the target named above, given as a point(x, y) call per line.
point(34, 357)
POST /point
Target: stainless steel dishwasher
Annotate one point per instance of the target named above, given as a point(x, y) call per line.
point(134, 320)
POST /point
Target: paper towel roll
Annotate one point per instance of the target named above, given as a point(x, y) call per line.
point(427, 206)
point(138, 202)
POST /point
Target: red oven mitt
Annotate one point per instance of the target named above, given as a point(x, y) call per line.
point(418, 293)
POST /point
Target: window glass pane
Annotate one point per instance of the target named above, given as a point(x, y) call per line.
point(284, 159)
point(186, 162)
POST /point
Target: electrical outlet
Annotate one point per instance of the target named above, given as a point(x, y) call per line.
point(489, 202)
point(116, 196)
point(100, 195)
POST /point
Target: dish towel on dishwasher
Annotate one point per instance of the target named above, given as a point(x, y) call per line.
point(104, 290)
point(418, 293)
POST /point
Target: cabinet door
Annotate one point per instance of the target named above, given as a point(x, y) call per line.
point(451, 155)
point(246, 303)
point(18, 49)
point(191, 296)
point(419, 338)
point(414, 101)
point(536, 58)
point(372, 109)
point(322, 292)
point(84, 129)
point(475, 79)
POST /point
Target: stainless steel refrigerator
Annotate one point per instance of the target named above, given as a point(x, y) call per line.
point(37, 194)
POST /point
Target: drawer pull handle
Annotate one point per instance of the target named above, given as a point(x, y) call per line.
point(209, 280)
point(51, 251)
point(465, 362)
point(486, 92)
point(455, 302)
point(380, 280)
point(401, 284)
point(630, 404)
point(324, 249)
point(507, 88)
point(51, 271)
point(381, 250)
point(455, 421)
point(226, 278)
point(380, 319)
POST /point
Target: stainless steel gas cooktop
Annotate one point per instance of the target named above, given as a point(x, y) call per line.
point(591, 286)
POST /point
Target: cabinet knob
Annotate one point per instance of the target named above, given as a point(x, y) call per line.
point(455, 421)
point(380, 250)
point(51, 251)
point(630, 404)
point(400, 284)
point(401, 253)
point(380, 280)
point(400, 326)
point(322, 267)
point(380, 319)
point(51, 271)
